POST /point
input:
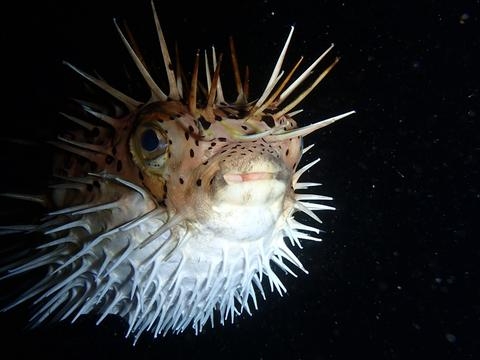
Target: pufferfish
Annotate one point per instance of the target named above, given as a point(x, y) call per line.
point(175, 211)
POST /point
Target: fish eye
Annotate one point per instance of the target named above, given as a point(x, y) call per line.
point(149, 140)
point(149, 147)
point(152, 142)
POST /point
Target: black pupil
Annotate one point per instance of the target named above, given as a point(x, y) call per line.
point(150, 140)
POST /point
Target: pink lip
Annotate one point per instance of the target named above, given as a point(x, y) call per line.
point(252, 176)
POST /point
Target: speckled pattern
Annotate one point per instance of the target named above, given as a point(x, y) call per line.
point(396, 275)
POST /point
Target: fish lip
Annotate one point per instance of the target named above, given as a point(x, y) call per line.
point(240, 177)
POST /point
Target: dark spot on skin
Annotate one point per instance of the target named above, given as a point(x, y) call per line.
point(169, 154)
point(242, 113)
point(267, 119)
point(222, 139)
point(205, 124)
point(165, 188)
point(119, 165)
point(196, 142)
point(191, 129)
point(170, 66)
point(218, 118)
point(244, 127)
point(109, 159)
point(205, 162)
point(199, 182)
point(211, 181)
point(170, 141)
point(286, 152)
point(192, 153)
point(181, 181)
point(213, 143)
point(187, 135)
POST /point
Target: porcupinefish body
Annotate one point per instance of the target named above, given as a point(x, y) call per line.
point(174, 211)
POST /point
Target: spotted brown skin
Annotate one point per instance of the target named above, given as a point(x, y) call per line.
point(177, 210)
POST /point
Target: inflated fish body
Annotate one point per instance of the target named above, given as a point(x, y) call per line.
point(175, 209)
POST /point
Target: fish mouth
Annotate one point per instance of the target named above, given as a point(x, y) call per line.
point(243, 195)
point(252, 167)
point(233, 178)
point(259, 186)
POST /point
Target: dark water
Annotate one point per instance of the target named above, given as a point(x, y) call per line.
point(396, 276)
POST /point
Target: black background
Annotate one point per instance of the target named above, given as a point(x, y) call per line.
point(396, 275)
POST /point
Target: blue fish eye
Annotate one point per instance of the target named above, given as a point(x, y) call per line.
point(149, 140)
